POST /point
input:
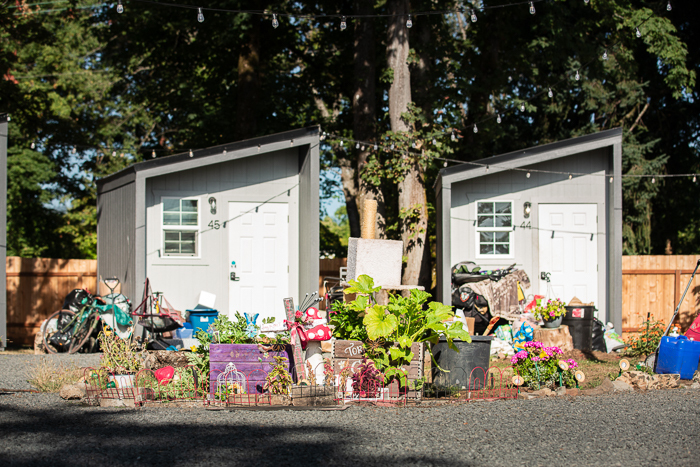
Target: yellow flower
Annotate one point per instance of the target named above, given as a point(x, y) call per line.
point(543, 355)
point(108, 332)
point(193, 348)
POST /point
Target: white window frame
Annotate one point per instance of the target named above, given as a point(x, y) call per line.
point(194, 228)
point(478, 230)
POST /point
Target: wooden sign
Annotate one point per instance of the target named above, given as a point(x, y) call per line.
point(249, 359)
point(351, 353)
point(290, 312)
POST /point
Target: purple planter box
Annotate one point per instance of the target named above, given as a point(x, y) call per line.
point(249, 360)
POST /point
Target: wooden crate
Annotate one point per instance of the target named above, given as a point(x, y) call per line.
point(249, 360)
point(353, 351)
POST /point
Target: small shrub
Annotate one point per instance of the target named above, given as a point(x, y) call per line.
point(539, 366)
point(47, 376)
point(367, 379)
point(647, 341)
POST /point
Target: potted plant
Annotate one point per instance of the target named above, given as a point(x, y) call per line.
point(551, 312)
point(120, 358)
point(539, 366)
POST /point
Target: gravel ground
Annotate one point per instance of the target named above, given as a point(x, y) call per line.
point(14, 367)
point(657, 427)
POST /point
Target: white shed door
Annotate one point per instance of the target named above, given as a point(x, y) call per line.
point(568, 251)
point(259, 258)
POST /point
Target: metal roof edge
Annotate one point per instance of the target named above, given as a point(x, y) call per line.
point(518, 158)
point(299, 133)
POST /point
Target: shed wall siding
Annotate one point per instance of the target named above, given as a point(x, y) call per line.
point(115, 238)
point(540, 188)
point(253, 179)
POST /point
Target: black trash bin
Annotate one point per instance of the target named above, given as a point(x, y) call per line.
point(580, 322)
point(467, 368)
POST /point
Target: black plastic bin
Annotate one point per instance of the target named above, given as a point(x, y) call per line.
point(467, 368)
point(580, 322)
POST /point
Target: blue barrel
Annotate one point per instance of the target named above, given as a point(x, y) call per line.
point(678, 355)
point(201, 318)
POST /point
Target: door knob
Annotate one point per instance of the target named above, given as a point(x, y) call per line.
point(234, 277)
point(545, 276)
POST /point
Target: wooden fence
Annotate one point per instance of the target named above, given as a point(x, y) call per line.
point(655, 284)
point(37, 287)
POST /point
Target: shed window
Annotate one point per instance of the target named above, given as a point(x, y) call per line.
point(180, 226)
point(494, 228)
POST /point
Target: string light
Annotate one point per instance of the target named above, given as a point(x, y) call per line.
point(653, 180)
point(586, 1)
point(638, 33)
point(476, 130)
point(605, 54)
point(473, 14)
point(32, 145)
point(570, 176)
point(498, 118)
point(200, 15)
point(550, 93)
point(578, 77)
point(343, 24)
point(522, 107)
point(527, 175)
point(275, 23)
point(434, 142)
point(362, 148)
point(74, 150)
point(153, 154)
point(120, 7)
point(375, 146)
point(357, 146)
point(453, 137)
point(114, 153)
point(191, 153)
point(668, 6)
point(611, 179)
point(409, 23)
point(392, 146)
point(695, 179)
point(413, 144)
point(532, 8)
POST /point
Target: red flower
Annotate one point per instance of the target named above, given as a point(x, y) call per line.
point(298, 314)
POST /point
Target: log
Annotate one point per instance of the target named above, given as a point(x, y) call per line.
point(559, 337)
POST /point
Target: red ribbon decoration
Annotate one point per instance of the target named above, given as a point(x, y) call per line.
point(296, 329)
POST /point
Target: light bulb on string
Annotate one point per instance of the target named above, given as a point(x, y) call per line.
point(586, 1)
point(114, 153)
point(392, 146)
point(638, 32)
point(498, 118)
point(191, 153)
point(343, 24)
point(153, 154)
point(341, 143)
point(611, 179)
point(695, 179)
point(476, 130)
point(362, 147)
point(522, 107)
point(668, 6)
point(375, 147)
point(275, 23)
point(74, 150)
point(653, 180)
point(120, 7)
point(413, 144)
point(32, 145)
point(434, 142)
point(577, 77)
point(527, 175)
point(473, 15)
point(532, 8)
point(605, 54)
point(444, 164)
point(357, 146)
point(570, 176)
point(453, 137)
point(550, 93)
point(409, 22)
point(200, 15)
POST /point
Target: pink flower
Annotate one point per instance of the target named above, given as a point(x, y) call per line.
point(298, 314)
point(551, 313)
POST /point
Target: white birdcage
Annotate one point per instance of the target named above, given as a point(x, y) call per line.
point(231, 381)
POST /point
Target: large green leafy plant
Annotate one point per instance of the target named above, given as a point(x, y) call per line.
point(346, 317)
point(392, 329)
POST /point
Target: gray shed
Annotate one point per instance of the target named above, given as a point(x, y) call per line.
point(239, 221)
point(559, 212)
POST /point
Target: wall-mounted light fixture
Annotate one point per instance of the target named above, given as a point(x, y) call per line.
point(212, 205)
point(527, 207)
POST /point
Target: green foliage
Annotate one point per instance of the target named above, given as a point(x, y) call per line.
point(647, 341)
point(335, 232)
point(278, 380)
point(229, 332)
point(119, 356)
point(347, 317)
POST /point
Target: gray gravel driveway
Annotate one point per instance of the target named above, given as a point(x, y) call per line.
point(653, 428)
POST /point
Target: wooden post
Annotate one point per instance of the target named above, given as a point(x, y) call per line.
point(369, 219)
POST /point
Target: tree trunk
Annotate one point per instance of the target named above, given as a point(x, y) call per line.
point(412, 209)
point(248, 83)
point(363, 107)
point(347, 178)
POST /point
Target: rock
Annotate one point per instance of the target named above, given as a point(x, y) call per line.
point(695, 386)
point(157, 359)
point(606, 387)
point(72, 392)
point(280, 399)
point(39, 348)
point(696, 376)
point(621, 386)
point(638, 380)
point(573, 392)
point(665, 382)
point(112, 403)
point(560, 391)
point(312, 396)
point(526, 396)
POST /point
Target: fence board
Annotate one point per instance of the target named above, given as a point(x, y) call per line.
point(655, 284)
point(36, 288)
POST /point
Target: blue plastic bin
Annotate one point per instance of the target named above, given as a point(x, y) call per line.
point(201, 318)
point(678, 355)
point(185, 332)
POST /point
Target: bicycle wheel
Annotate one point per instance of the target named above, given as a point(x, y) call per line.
point(62, 317)
point(83, 332)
